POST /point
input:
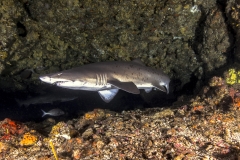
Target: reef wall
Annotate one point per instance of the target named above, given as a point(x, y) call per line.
point(183, 37)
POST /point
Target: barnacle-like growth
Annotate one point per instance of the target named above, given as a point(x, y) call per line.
point(60, 130)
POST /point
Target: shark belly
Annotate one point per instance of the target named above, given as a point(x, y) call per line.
point(77, 85)
point(107, 92)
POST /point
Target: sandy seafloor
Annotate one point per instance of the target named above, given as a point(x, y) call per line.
point(204, 126)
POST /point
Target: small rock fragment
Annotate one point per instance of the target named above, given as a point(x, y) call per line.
point(164, 113)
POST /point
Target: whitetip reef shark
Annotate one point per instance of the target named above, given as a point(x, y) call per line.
point(108, 77)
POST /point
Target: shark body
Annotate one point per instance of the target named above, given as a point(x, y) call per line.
point(50, 96)
point(108, 77)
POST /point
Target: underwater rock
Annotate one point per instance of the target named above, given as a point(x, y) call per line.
point(26, 74)
point(180, 37)
point(61, 129)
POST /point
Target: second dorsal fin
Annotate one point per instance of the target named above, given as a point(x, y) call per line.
point(138, 61)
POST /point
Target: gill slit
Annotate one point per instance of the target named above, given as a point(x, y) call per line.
point(101, 79)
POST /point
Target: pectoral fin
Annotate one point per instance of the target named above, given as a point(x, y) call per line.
point(108, 95)
point(126, 86)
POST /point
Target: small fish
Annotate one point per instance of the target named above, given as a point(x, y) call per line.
point(53, 112)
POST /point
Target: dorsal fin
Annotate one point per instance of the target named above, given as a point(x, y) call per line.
point(138, 61)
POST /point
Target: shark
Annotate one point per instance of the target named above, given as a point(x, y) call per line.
point(50, 96)
point(108, 77)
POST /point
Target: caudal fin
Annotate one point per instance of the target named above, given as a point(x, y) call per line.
point(18, 102)
point(44, 113)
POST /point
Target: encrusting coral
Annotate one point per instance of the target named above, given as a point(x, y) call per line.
point(28, 139)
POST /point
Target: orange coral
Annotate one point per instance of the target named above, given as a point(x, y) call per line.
point(90, 115)
point(198, 108)
point(28, 139)
point(237, 103)
point(95, 114)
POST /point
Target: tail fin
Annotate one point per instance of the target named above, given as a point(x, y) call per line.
point(44, 113)
point(18, 102)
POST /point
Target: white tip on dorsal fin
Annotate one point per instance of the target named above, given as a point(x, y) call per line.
point(138, 61)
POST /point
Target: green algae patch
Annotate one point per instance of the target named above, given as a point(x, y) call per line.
point(233, 76)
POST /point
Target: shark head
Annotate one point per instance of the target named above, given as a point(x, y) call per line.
point(52, 78)
point(165, 80)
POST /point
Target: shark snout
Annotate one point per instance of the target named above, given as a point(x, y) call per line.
point(46, 79)
point(167, 87)
point(53, 80)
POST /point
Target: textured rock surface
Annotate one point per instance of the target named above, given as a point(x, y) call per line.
point(233, 14)
point(189, 39)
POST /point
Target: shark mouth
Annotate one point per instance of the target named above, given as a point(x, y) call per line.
point(54, 81)
point(58, 83)
point(70, 84)
point(50, 80)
